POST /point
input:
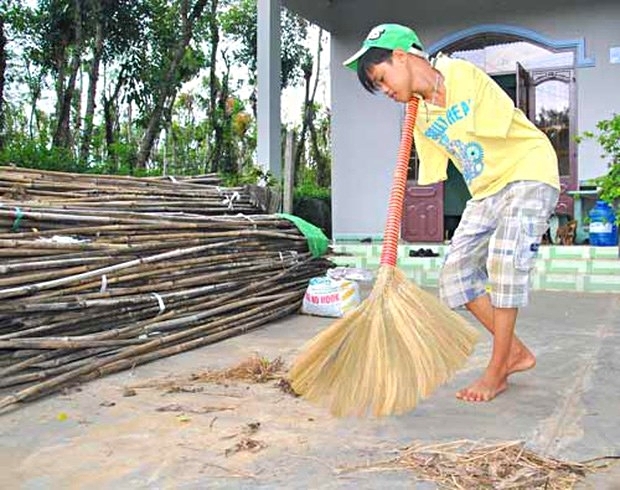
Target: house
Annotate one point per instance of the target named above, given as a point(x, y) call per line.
point(558, 59)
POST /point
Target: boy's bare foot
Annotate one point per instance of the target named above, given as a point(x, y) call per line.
point(521, 359)
point(489, 386)
point(484, 389)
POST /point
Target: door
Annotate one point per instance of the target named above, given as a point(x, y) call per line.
point(423, 213)
point(554, 112)
point(548, 99)
point(524, 82)
point(423, 208)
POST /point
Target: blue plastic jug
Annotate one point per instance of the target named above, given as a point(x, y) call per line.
point(603, 228)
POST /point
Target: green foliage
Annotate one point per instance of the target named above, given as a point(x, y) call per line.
point(139, 41)
point(28, 153)
point(608, 136)
point(249, 175)
point(310, 189)
point(240, 23)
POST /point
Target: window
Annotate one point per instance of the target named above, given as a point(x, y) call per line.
point(502, 58)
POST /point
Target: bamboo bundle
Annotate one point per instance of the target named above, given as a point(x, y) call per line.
point(201, 195)
point(184, 303)
point(90, 291)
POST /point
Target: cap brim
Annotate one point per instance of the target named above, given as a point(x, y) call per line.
point(352, 61)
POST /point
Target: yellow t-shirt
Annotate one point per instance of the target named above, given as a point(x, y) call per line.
point(488, 139)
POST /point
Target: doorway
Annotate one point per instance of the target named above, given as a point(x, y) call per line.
point(540, 80)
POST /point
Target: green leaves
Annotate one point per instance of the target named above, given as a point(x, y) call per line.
point(608, 136)
point(239, 22)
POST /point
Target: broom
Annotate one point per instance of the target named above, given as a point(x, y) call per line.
point(398, 345)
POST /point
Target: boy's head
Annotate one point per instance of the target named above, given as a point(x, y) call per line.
point(378, 47)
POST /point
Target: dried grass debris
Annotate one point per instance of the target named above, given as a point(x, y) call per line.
point(472, 465)
point(256, 369)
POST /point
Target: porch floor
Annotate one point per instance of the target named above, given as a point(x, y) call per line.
point(97, 436)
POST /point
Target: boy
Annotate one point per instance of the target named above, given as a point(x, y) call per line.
point(510, 169)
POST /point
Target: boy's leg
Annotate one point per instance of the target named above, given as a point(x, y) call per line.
point(525, 209)
point(462, 281)
point(495, 378)
point(521, 358)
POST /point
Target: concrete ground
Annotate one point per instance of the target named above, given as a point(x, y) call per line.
point(204, 435)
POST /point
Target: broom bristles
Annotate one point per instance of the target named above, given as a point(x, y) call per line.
point(394, 349)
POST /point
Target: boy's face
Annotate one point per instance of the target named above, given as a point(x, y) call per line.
point(395, 78)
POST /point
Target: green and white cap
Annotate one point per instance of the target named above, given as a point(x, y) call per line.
point(388, 36)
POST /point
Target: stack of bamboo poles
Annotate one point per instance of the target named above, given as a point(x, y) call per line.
point(200, 195)
point(85, 293)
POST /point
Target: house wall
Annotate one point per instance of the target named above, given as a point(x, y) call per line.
point(366, 127)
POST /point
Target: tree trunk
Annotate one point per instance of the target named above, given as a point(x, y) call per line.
point(322, 170)
point(93, 78)
point(3, 42)
point(62, 136)
point(223, 131)
point(308, 118)
point(213, 165)
point(109, 113)
point(167, 86)
point(301, 144)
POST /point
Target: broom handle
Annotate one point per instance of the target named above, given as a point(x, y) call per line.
point(389, 250)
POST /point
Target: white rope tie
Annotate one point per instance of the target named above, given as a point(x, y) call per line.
point(104, 283)
point(160, 302)
point(229, 200)
point(249, 218)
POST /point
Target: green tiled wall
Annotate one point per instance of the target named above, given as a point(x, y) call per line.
point(575, 268)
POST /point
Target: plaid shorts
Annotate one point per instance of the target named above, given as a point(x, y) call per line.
point(496, 243)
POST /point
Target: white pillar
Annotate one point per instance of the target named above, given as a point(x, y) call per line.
point(269, 69)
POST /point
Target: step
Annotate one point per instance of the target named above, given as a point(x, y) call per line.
point(574, 268)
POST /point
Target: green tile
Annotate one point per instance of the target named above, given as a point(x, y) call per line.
point(430, 278)
point(566, 265)
point(544, 252)
point(602, 266)
point(412, 263)
point(411, 273)
point(611, 279)
point(349, 261)
point(355, 249)
point(567, 252)
point(561, 282)
point(602, 284)
point(372, 262)
point(419, 263)
point(605, 252)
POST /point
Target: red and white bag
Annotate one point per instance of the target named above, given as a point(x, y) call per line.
point(330, 297)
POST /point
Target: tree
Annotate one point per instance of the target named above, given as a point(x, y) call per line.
point(240, 24)
point(103, 78)
point(172, 75)
point(308, 118)
point(93, 78)
point(3, 56)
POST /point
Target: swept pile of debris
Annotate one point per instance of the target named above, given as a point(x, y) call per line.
point(473, 464)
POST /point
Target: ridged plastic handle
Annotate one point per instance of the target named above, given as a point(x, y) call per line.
point(391, 236)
